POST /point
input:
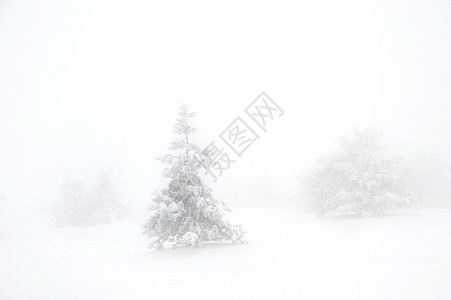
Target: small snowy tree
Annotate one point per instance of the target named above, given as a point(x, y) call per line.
point(361, 179)
point(82, 207)
point(185, 213)
point(106, 201)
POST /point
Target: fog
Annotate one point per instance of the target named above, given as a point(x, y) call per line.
point(87, 85)
point(96, 85)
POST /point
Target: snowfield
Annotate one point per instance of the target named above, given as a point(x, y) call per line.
point(290, 255)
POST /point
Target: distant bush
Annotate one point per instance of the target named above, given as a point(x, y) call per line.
point(361, 179)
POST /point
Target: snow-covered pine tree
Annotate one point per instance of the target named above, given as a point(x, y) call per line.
point(184, 213)
point(86, 207)
point(361, 179)
point(106, 201)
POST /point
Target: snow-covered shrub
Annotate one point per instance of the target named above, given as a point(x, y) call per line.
point(82, 207)
point(184, 213)
point(360, 179)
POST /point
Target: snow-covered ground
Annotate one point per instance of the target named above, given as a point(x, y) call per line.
point(290, 255)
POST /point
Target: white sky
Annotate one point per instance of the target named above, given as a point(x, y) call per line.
point(91, 84)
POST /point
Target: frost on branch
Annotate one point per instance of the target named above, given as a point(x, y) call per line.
point(360, 179)
point(184, 213)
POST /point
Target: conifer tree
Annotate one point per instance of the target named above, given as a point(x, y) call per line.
point(106, 201)
point(185, 213)
point(79, 206)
